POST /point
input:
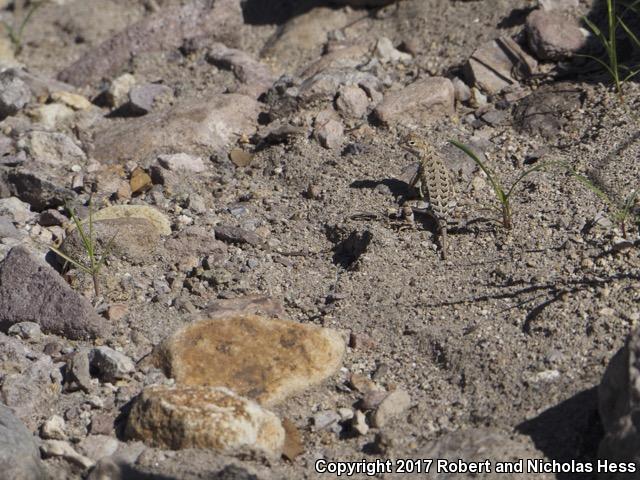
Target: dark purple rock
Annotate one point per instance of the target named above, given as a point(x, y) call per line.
point(32, 291)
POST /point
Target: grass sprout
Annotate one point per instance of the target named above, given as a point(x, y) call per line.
point(619, 73)
point(94, 262)
point(502, 194)
point(16, 29)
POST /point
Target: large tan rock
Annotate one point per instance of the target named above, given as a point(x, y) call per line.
point(207, 123)
point(264, 359)
point(178, 417)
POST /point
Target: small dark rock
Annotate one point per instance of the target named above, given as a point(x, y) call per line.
point(33, 188)
point(14, 94)
point(239, 235)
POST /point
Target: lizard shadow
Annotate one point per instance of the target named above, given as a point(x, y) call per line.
point(398, 188)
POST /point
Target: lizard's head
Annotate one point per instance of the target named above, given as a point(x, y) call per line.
point(413, 144)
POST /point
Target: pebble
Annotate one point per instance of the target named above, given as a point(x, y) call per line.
point(142, 98)
point(329, 133)
point(238, 235)
point(386, 52)
point(54, 428)
point(60, 448)
point(461, 90)
point(118, 91)
point(110, 364)
point(554, 36)
point(140, 181)
point(391, 407)
point(359, 423)
point(14, 94)
point(182, 161)
point(325, 419)
point(240, 157)
point(26, 330)
point(352, 101)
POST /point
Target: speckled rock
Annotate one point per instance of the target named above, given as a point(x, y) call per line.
point(178, 417)
point(19, 456)
point(264, 359)
point(553, 35)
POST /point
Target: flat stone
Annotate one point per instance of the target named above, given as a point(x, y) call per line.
point(252, 304)
point(158, 219)
point(498, 64)
point(182, 161)
point(207, 123)
point(178, 417)
point(330, 134)
point(61, 448)
point(14, 93)
point(17, 210)
point(420, 102)
point(143, 98)
point(323, 85)
point(391, 407)
point(231, 234)
point(7, 228)
point(34, 188)
point(73, 100)
point(264, 359)
point(255, 76)
point(26, 330)
point(32, 291)
point(19, 455)
point(52, 148)
point(110, 364)
point(140, 181)
point(240, 157)
point(553, 35)
point(352, 101)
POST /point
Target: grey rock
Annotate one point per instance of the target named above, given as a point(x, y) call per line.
point(98, 446)
point(19, 456)
point(255, 76)
point(26, 330)
point(239, 235)
point(32, 291)
point(17, 210)
point(60, 448)
point(51, 218)
point(209, 122)
point(182, 161)
point(352, 101)
point(7, 228)
point(330, 133)
point(110, 364)
point(550, 5)
point(391, 407)
point(420, 102)
point(36, 190)
point(619, 407)
point(77, 372)
point(14, 94)
point(386, 52)
point(497, 118)
point(325, 419)
point(498, 64)
point(324, 85)
point(461, 90)
point(52, 148)
point(196, 204)
point(30, 381)
point(142, 98)
point(53, 429)
point(554, 36)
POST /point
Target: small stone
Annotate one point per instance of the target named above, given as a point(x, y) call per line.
point(498, 64)
point(110, 364)
point(26, 330)
point(372, 399)
point(77, 182)
point(461, 90)
point(420, 102)
point(52, 217)
point(17, 210)
point(178, 417)
point(196, 204)
point(330, 134)
point(345, 414)
point(359, 423)
point(143, 98)
point(60, 448)
point(386, 52)
point(77, 376)
point(73, 100)
point(239, 235)
point(140, 181)
point(96, 447)
point(54, 429)
point(391, 407)
point(554, 36)
point(325, 419)
point(240, 157)
point(182, 161)
point(352, 101)
point(124, 191)
point(118, 91)
point(117, 311)
point(35, 188)
point(550, 5)
point(102, 424)
point(14, 93)
point(51, 115)
point(7, 229)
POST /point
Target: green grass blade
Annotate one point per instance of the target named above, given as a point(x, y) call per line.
point(497, 188)
point(105, 253)
point(632, 35)
point(70, 260)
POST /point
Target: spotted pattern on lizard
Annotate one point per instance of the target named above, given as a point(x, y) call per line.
point(436, 185)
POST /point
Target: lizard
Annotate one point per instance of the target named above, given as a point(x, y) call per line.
point(436, 185)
